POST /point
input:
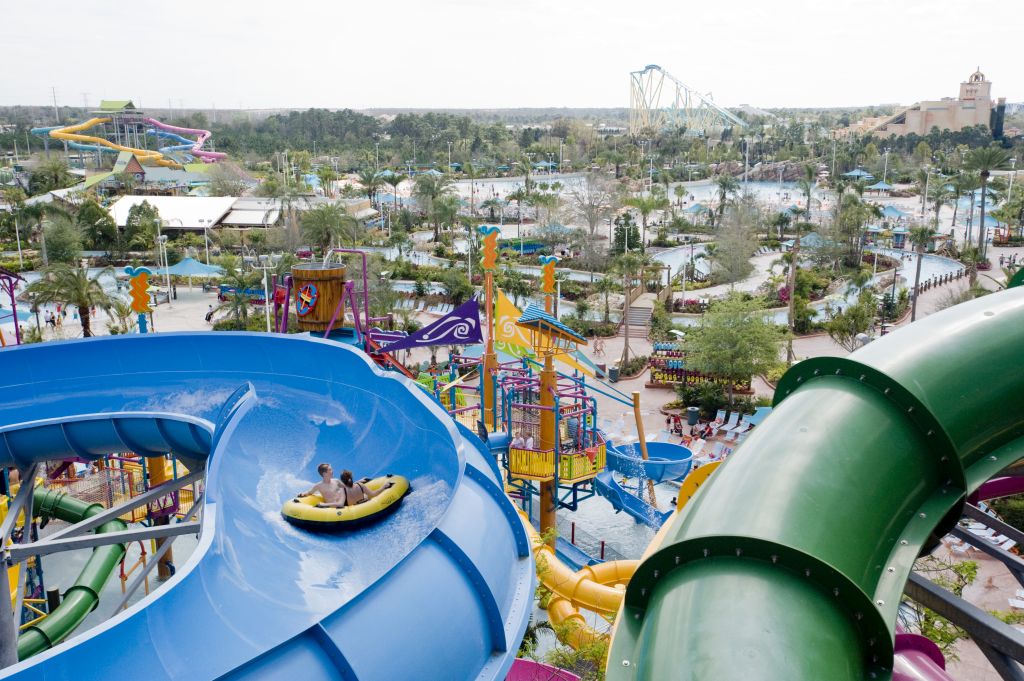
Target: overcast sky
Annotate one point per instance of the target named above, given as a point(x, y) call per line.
point(518, 53)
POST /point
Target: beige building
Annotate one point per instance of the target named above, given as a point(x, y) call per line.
point(972, 107)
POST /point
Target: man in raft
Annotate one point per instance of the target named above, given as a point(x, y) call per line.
point(341, 493)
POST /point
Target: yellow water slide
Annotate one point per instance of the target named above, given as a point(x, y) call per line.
point(598, 588)
point(70, 133)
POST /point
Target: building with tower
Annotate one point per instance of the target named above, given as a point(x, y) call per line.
point(973, 106)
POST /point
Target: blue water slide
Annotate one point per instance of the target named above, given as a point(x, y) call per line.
point(442, 589)
point(622, 499)
point(184, 143)
point(573, 556)
point(665, 461)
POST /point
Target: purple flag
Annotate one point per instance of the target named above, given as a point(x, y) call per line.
point(461, 326)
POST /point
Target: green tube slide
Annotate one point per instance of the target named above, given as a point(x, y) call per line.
point(791, 561)
point(84, 595)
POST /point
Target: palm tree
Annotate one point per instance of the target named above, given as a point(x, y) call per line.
point(428, 189)
point(371, 180)
point(122, 317)
point(237, 303)
point(629, 265)
point(919, 237)
point(473, 172)
point(524, 161)
point(324, 224)
point(984, 161)
point(445, 210)
point(401, 241)
point(492, 205)
point(793, 265)
point(606, 285)
point(679, 191)
point(393, 180)
point(327, 176)
point(728, 186)
point(646, 205)
point(70, 285)
point(36, 214)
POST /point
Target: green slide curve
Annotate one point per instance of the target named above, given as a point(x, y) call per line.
point(791, 561)
point(84, 595)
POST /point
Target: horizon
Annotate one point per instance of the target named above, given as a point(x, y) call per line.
point(791, 54)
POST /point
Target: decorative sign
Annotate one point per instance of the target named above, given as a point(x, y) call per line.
point(547, 271)
point(137, 287)
point(305, 299)
point(461, 326)
point(490, 234)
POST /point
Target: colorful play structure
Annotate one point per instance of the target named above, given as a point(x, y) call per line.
point(119, 126)
point(788, 560)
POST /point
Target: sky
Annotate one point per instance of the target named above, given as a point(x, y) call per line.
point(487, 54)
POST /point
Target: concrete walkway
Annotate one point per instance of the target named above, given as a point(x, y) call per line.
point(762, 273)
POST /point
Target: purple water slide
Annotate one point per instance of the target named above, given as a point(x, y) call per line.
point(197, 148)
point(918, 659)
point(997, 488)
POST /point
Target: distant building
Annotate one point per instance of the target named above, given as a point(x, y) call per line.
point(972, 107)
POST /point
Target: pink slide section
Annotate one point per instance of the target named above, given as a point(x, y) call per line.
point(197, 149)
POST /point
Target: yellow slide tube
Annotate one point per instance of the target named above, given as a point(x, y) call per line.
point(582, 589)
point(70, 133)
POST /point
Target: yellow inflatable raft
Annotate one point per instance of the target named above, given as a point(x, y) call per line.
point(303, 512)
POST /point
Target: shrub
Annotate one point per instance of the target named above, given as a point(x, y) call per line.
point(634, 366)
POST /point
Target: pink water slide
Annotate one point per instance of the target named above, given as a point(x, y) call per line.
point(197, 148)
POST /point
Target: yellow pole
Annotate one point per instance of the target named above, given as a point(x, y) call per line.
point(490, 367)
point(157, 467)
point(548, 385)
point(548, 389)
point(643, 443)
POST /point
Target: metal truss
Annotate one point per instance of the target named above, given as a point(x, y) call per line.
point(658, 100)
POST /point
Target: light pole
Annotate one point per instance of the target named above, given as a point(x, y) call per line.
point(17, 236)
point(266, 266)
point(376, 146)
point(885, 171)
point(206, 237)
point(449, 157)
point(161, 240)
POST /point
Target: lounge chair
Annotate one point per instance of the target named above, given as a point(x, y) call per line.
point(1016, 603)
point(741, 428)
point(727, 426)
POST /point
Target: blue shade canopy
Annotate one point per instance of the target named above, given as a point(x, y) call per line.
point(190, 267)
point(536, 318)
point(893, 212)
point(696, 208)
point(859, 174)
point(881, 185)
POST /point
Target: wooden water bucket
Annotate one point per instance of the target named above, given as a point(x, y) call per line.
point(318, 288)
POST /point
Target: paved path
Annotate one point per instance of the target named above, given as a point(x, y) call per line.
point(762, 273)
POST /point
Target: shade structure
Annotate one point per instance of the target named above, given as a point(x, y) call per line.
point(881, 186)
point(893, 212)
point(696, 208)
point(190, 267)
point(859, 174)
